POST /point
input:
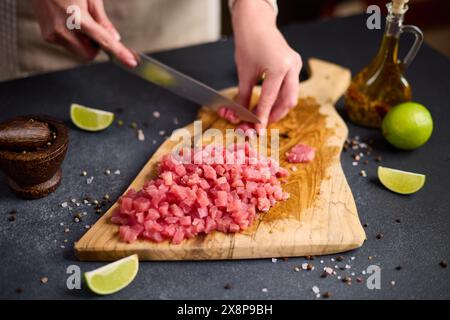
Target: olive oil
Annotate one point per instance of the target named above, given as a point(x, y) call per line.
point(382, 85)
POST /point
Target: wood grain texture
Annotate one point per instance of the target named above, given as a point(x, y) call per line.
point(319, 218)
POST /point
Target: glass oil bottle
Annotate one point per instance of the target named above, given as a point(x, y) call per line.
point(382, 85)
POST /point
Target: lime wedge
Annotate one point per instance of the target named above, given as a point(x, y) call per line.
point(114, 276)
point(399, 181)
point(90, 119)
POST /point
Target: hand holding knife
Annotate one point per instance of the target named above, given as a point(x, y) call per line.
point(181, 84)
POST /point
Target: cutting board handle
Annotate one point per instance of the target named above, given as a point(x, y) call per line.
point(327, 82)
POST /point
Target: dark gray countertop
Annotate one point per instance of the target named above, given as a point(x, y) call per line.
point(31, 246)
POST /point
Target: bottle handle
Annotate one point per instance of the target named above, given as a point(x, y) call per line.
point(416, 45)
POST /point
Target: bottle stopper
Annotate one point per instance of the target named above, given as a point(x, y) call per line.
point(399, 6)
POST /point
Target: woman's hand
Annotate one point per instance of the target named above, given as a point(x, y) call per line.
point(261, 50)
point(96, 29)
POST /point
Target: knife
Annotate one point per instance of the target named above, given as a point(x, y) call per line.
point(164, 76)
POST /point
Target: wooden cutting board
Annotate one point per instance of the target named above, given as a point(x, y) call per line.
point(319, 218)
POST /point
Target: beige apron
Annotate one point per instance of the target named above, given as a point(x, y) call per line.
point(145, 25)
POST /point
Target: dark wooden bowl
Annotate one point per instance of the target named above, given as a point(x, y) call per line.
point(35, 174)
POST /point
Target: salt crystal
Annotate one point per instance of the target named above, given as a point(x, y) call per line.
point(64, 204)
point(89, 180)
point(363, 272)
point(304, 266)
point(162, 132)
point(74, 200)
point(62, 247)
point(354, 163)
point(85, 201)
point(274, 260)
point(353, 274)
point(141, 136)
point(328, 270)
point(332, 259)
point(339, 277)
point(347, 266)
point(154, 141)
point(315, 289)
point(318, 295)
point(61, 224)
point(156, 114)
point(321, 261)
point(352, 258)
point(117, 172)
point(264, 290)
point(78, 204)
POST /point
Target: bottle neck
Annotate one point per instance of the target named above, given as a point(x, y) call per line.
point(388, 52)
point(394, 22)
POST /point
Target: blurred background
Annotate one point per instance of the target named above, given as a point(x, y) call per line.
point(432, 16)
point(180, 23)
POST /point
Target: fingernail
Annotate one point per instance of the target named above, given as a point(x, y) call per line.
point(132, 62)
point(116, 35)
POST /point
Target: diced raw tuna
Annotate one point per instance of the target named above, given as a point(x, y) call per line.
point(187, 199)
point(141, 204)
point(300, 153)
point(228, 114)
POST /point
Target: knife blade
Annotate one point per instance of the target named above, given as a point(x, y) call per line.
point(181, 84)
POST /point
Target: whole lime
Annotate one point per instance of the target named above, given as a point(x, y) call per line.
point(408, 125)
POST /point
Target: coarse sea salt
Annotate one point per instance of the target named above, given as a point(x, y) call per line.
point(141, 136)
point(315, 289)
